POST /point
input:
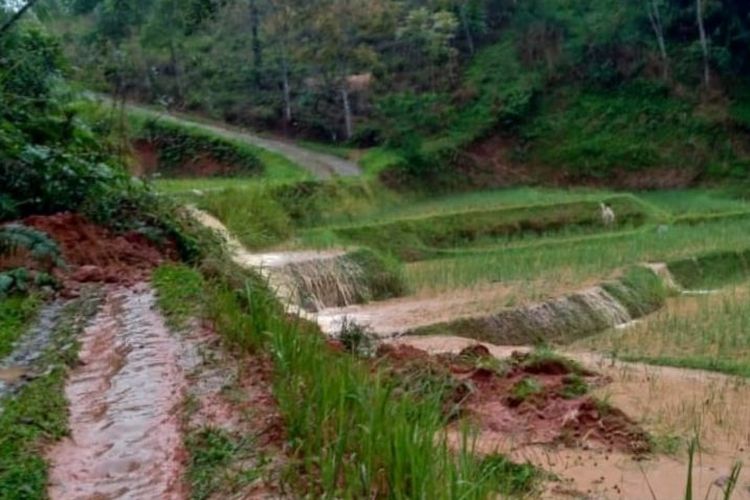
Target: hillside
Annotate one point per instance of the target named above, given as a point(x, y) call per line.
point(495, 91)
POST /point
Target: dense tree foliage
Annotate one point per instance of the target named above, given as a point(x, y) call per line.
point(50, 158)
point(432, 77)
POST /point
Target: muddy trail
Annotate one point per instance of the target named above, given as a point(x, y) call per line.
point(123, 400)
point(671, 404)
point(321, 165)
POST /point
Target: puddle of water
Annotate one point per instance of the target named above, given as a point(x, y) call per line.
point(125, 434)
point(12, 374)
point(28, 349)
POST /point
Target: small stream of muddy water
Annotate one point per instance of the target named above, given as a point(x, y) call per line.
point(668, 402)
point(19, 364)
point(125, 432)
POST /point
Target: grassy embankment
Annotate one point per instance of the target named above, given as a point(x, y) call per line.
point(704, 331)
point(352, 431)
point(37, 415)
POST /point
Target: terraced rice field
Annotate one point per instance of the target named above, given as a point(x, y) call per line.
point(538, 261)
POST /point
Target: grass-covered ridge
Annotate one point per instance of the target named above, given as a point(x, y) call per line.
point(410, 237)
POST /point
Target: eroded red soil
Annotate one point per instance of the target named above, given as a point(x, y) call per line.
point(95, 254)
point(524, 400)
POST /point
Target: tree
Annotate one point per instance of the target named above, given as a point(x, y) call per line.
point(16, 16)
point(429, 34)
point(340, 41)
point(703, 42)
point(654, 17)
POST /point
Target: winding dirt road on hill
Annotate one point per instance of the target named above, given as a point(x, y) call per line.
point(321, 165)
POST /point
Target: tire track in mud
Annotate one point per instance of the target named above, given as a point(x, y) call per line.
point(125, 438)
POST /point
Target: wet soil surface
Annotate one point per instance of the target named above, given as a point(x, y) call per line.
point(21, 364)
point(123, 399)
point(233, 394)
point(672, 405)
point(523, 398)
point(95, 254)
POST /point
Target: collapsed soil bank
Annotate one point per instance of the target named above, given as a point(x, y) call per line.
point(673, 405)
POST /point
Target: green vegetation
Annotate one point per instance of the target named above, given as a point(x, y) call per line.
point(37, 415)
point(639, 126)
point(412, 238)
point(711, 270)
point(349, 432)
point(212, 452)
point(179, 145)
point(703, 332)
point(180, 293)
point(191, 149)
point(575, 260)
point(525, 389)
point(16, 313)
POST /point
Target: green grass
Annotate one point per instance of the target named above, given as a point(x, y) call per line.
point(377, 160)
point(638, 127)
point(578, 260)
point(695, 201)
point(15, 315)
point(37, 415)
point(349, 432)
point(212, 453)
point(701, 332)
point(180, 293)
point(415, 238)
point(251, 214)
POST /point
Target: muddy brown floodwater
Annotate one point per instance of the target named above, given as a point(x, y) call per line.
point(125, 433)
point(669, 403)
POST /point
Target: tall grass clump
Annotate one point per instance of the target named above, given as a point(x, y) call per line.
point(359, 436)
point(351, 430)
point(252, 214)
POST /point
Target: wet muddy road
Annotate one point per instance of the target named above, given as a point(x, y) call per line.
point(124, 399)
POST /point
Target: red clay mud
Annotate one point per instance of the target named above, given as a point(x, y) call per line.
point(123, 399)
point(554, 412)
point(202, 165)
point(95, 254)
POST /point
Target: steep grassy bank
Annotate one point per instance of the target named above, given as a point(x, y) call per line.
point(351, 430)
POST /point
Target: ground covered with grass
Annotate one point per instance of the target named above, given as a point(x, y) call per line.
point(15, 315)
point(37, 415)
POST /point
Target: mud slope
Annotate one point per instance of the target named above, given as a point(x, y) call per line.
point(319, 164)
point(125, 432)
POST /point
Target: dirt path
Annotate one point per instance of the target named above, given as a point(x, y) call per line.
point(672, 404)
point(124, 397)
point(320, 165)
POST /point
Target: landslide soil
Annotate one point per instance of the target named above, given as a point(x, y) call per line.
point(93, 253)
point(673, 405)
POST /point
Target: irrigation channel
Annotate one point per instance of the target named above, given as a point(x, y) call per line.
point(668, 402)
